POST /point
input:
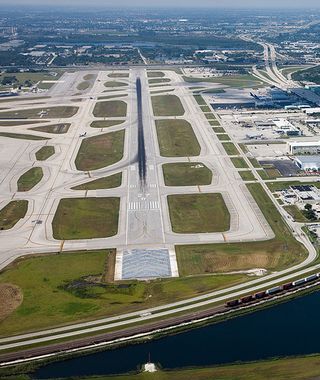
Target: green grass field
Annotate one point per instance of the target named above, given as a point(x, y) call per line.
point(22, 136)
point(239, 162)
point(223, 137)
point(112, 108)
point(199, 99)
point(197, 213)
point(58, 112)
point(296, 213)
point(83, 85)
point(278, 185)
point(86, 218)
point(218, 130)
point(118, 75)
point(210, 116)
point(235, 81)
point(12, 213)
point(30, 179)
point(54, 129)
point(281, 252)
point(177, 139)
point(100, 151)
point(186, 174)
point(167, 105)
point(115, 84)
point(17, 123)
point(78, 286)
point(230, 149)
point(105, 123)
point(214, 123)
point(247, 175)
point(205, 108)
point(159, 80)
point(45, 152)
point(109, 182)
point(155, 74)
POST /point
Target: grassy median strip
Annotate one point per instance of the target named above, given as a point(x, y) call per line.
point(160, 80)
point(235, 81)
point(118, 75)
point(86, 218)
point(177, 139)
point(30, 179)
point(223, 137)
point(230, 149)
point(219, 130)
point(109, 182)
point(201, 102)
point(111, 108)
point(55, 128)
point(45, 152)
point(83, 85)
point(115, 84)
point(155, 74)
point(105, 123)
point(167, 105)
point(198, 213)
point(247, 175)
point(12, 213)
point(36, 113)
point(100, 151)
point(186, 174)
point(281, 252)
point(78, 286)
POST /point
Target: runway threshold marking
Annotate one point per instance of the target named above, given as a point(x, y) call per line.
point(61, 245)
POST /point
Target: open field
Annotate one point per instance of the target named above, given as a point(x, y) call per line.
point(293, 368)
point(22, 136)
point(167, 105)
point(45, 152)
point(176, 138)
point(109, 182)
point(278, 186)
point(296, 213)
point(239, 162)
point(247, 175)
point(55, 128)
point(10, 298)
point(34, 78)
point(236, 81)
point(230, 149)
point(112, 108)
point(100, 151)
point(115, 84)
point(275, 254)
point(186, 174)
point(30, 179)
point(12, 213)
point(76, 283)
point(86, 218)
point(197, 213)
point(16, 123)
point(105, 123)
point(36, 113)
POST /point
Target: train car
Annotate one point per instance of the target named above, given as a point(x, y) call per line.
point(246, 299)
point(260, 295)
point(287, 286)
point(312, 277)
point(299, 282)
point(232, 303)
point(274, 290)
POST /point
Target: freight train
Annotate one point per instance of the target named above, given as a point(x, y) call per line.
point(272, 291)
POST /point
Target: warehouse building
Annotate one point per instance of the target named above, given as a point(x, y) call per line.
point(304, 147)
point(308, 163)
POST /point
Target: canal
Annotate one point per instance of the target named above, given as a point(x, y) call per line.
point(290, 328)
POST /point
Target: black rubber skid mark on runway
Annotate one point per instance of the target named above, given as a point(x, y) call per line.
point(141, 144)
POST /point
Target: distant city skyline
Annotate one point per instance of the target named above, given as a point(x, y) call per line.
point(169, 3)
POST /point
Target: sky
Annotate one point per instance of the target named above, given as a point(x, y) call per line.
point(169, 3)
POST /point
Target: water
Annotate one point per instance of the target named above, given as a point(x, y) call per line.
point(288, 329)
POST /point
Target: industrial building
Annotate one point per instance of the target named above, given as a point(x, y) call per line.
point(285, 127)
point(304, 147)
point(308, 162)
